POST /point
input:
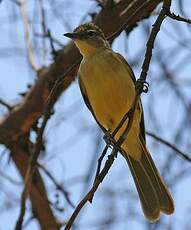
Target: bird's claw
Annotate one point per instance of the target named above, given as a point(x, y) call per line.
point(109, 140)
point(142, 85)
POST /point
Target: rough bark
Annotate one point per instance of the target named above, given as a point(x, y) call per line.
point(40, 204)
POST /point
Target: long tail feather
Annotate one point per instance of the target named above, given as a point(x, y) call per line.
point(147, 194)
point(166, 201)
point(153, 193)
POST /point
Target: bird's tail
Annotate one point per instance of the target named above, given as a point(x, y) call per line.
point(153, 193)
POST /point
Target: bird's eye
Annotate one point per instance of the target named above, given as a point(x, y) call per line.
point(91, 33)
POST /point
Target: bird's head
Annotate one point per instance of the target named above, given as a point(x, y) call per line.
point(88, 38)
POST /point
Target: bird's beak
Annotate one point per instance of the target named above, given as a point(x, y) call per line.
point(72, 35)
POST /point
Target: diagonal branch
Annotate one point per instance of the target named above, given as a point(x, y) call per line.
point(173, 147)
point(58, 186)
point(5, 104)
point(38, 194)
point(179, 18)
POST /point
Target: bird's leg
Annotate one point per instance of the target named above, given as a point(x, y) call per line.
point(111, 142)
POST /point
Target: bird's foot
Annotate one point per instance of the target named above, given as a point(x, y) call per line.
point(109, 139)
point(142, 85)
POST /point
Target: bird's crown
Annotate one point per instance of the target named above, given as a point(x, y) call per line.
point(89, 29)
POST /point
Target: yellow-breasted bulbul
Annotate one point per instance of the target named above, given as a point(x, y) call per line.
point(107, 84)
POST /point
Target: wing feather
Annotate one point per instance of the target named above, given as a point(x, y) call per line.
point(87, 102)
point(142, 123)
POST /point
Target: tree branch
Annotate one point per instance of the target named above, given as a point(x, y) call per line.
point(58, 186)
point(173, 147)
point(30, 55)
point(38, 194)
point(178, 18)
point(5, 104)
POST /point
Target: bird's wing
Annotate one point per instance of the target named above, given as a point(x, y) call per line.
point(127, 66)
point(142, 123)
point(87, 102)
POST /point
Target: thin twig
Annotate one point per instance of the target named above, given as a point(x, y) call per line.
point(15, 2)
point(134, 14)
point(99, 162)
point(58, 186)
point(10, 179)
point(90, 194)
point(43, 26)
point(178, 151)
point(5, 104)
point(54, 40)
point(30, 55)
point(178, 17)
point(53, 50)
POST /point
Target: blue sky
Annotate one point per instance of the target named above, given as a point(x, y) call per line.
point(71, 154)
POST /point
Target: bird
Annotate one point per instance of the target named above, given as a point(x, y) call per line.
point(107, 84)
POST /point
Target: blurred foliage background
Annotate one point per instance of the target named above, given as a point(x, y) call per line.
point(31, 40)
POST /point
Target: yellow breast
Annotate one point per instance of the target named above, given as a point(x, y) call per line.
point(109, 86)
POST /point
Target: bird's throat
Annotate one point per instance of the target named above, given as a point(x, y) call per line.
point(85, 48)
